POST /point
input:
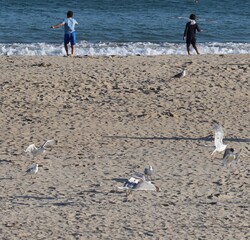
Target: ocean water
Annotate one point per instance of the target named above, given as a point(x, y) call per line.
point(119, 27)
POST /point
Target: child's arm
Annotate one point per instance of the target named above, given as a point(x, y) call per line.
point(57, 25)
point(198, 29)
point(185, 32)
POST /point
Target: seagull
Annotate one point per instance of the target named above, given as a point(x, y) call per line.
point(138, 184)
point(34, 151)
point(218, 138)
point(230, 157)
point(181, 74)
point(148, 171)
point(32, 169)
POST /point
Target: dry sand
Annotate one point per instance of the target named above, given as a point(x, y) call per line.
point(112, 116)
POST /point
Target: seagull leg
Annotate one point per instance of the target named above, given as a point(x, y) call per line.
point(213, 153)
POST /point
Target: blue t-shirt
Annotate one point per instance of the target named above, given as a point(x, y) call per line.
point(69, 25)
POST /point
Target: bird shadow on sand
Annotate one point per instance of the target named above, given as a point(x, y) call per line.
point(43, 201)
point(35, 197)
point(209, 138)
point(64, 204)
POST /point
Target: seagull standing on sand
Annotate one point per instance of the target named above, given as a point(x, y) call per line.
point(230, 157)
point(34, 151)
point(149, 171)
point(218, 138)
point(181, 74)
point(32, 169)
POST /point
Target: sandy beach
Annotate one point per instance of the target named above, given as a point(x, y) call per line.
point(112, 116)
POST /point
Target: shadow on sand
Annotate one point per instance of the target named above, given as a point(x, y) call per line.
point(206, 139)
point(44, 201)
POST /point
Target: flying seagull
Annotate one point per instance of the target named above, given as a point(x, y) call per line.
point(35, 151)
point(230, 157)
point(218, 138)
point(32, 169)
point(148, 171)
point(181, 74)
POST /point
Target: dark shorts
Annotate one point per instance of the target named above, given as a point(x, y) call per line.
point(191, 41)
point(70, 38)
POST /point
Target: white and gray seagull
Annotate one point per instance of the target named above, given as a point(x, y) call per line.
point(35, 151)
point(182, 74)
point(33, 169)
point(230, 157)
point(218, 138)
point(149, 172)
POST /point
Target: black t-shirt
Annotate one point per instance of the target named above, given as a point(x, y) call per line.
point(190, 30)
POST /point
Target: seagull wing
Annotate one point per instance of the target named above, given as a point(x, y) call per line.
point(178, 75)
point(130, 183)
point(48, 143)
point(181, 74)
point(145, 186)
point(133, 180)
point(123, 188)
point(31, 169)
point(218, 135)
point(31, 149)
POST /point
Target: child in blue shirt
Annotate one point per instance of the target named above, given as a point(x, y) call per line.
point(69, 32)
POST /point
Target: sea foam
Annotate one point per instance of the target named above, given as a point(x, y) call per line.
point(121, 49)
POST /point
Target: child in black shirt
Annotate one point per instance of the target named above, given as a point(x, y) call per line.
point(190, 33)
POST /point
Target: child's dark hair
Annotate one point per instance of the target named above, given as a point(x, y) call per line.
point(192, 17)
point(69, 14)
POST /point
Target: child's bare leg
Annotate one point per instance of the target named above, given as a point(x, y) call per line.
point(195, 48)
point(73, 50)
point(188, 48)
point(66, 49)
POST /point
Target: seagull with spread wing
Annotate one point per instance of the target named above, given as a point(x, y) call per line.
point(35, 151)
point(218, 138)
point(138, 183)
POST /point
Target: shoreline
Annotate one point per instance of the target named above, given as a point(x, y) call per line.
point(112, 116)
point(122, 49)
